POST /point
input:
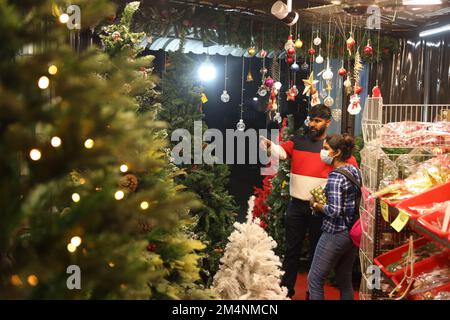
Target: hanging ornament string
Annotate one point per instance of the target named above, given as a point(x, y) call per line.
point(226, 64)
point(242, 83)
point(378, 54)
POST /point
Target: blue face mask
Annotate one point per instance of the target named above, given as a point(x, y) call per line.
point(325, 156)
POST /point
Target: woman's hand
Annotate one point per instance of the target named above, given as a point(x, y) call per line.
point(315, 205)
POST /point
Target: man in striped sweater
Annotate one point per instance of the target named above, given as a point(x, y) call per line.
point(307, 173)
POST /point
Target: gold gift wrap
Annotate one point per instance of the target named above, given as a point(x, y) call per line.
point(319, 195)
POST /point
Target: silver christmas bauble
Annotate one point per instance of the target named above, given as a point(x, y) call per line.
point(329, 101)
point(240, 125)
point(317, 41)
point(225, 97)
point(328, 74)
point(262, 91)
point(319, 59)
point(337, 114)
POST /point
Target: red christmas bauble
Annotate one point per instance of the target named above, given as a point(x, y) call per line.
point(311, 51)
point(358, 89)
point(291, 51)
point(290, 60)
point(151, 247)
point(376, 92)
point(342, 72)
point(368, 50)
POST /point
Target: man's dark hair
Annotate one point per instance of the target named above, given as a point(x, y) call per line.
point(320, 111)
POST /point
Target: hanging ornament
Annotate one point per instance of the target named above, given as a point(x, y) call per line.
point(289, 43)
point(289, 60)
point(251, 51)
point(291, 51)
point(295, 67)
point(292, 93)
point(249, 76)
point(262, 91)
point(315, 100)
point(225, 97)
point(277, 85)
point(298, 43)
point(311, 51)
point(348, 85)
point(307, 121)
point(323, 93)
point(319, 59)
point(329, 101)
point(354, 107)
point(342, 72)
point(277, 117)
point(368, 50)
point(357, 89)
point(263, 53)
point(240, 125)
point(376, 92)
point(317, 41)
point(269, 82)
point(305, 66)
point(336, 114)
point(327, 73)
point(350, 43)
point(263, 71)
point(309, 85)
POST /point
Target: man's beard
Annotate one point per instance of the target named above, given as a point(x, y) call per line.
point(312, 133)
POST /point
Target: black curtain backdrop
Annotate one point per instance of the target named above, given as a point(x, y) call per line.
point(418, 74)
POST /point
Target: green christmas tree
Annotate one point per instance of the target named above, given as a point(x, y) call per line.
point(85, 184)
point(181, 107)
point(279, 197)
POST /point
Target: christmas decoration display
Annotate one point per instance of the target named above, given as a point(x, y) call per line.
point(350, 42)
point(310, 84)
point(73, 207)
point(272, 199)
point(305, 66)
point(414, 134)
point(240, 126)
point(317, 41)
point(263, 53)
point(354, 107)
point(215, 218)
point(249, 269)
point(368, 50)
point(225, 97)
point(295, 67)
point(311, 51)
point(319, 59)
point(251, 51)
point(376, 92)
point(298, 43)
point(292, 93)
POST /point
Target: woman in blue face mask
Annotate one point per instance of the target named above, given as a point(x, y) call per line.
point(335, 249)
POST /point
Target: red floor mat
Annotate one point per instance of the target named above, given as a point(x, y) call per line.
point(331, 293)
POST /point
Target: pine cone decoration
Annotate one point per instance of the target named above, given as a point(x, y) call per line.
point(130, 182)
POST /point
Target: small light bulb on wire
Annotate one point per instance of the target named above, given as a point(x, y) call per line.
point(35, 154)
point(76, 197)
point(52, 70)
point(56, 142)
point(119, 195)
point(64, 18)
point(33, 280)
point(123, 168)
point(144, 205)
point(76, 241)
point(89, 144)
point(43, 82)
point(71, 248)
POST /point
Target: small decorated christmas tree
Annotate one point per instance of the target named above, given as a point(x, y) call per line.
point(249, 269)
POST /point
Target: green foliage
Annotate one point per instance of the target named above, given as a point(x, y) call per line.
point(180, 108)
point(125, 252)
point(278, 199)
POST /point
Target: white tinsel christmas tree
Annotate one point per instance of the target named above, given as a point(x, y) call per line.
point(249, 269)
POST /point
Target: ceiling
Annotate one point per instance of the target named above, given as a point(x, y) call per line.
point(394, 16)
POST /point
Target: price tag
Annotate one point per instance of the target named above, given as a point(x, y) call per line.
point(384, 210)
point(401, 221)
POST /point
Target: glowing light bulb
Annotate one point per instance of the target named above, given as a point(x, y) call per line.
point(56, 142)
point(144, 205)
point(35, 154)
point(71, 248)
point(64, 18)
point(76, 241)
point(43, 82)
point(119, 195)
point(33, 280)
point(207, 71)
point(89, 144)
point(52, 70)
point(76, 197)
point(123, 168)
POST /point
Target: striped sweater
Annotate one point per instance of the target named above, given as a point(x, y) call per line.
point(308, 171)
